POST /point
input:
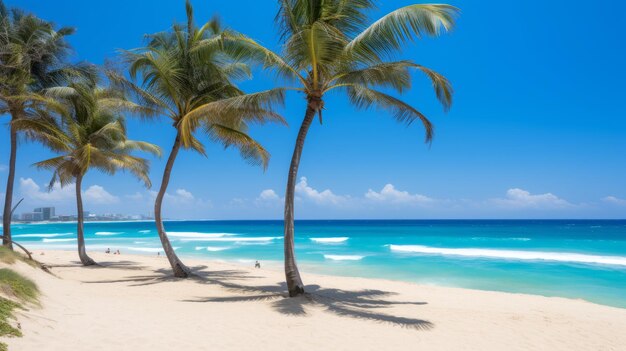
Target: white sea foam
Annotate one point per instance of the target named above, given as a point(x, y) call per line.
point(330, 240)
point(501, 239)
point(53, 235)
point(513, 254)
point(109, 233)
point(343, 257)
point(140, 242)
point(234, 239)
point(217, 248)
point(254, 243)
point(46, 240)
point(149, 249)
point(198, 235)
point(212, 248)
point(144, 231)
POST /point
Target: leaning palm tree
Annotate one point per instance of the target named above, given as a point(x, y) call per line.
point(187, 77)
point(31, 57)
point(90, 134)
point(327, 46)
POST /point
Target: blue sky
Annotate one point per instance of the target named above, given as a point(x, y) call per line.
point(537, 129)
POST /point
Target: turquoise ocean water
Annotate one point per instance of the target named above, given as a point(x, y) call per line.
point(576, 259)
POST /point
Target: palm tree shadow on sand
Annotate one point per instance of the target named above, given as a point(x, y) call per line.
point(361, 304)
point(128, 265)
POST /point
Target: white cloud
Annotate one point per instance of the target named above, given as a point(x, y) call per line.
point(136, 196)
point(268, 195)
point(320, 197)
point(62, 197)
point(268, 198)
point(180, 197)
point(389, 194)
point(32, 191)
point(3, 168)
point(184, 195)
point(97, 195)
point(519, 198)
point(615, 200)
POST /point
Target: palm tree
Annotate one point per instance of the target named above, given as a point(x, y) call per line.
point(187, 77)
point(90, 134)
point(328, 45)
point(31, 57)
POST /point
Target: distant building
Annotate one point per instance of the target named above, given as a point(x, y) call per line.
point(46, 213)
point(32, 216)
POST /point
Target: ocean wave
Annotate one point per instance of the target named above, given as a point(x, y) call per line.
point(343, 257)
point(217, 248)
point(330, 240)
point(109, 233)
point(503, 239)
point(254, 243)
point(149, 249)
point(513, 254)
point(235, 239)
point(53, 235)
point(198, 235)
point(212, 248)
point(46, 240)
point(144, 231)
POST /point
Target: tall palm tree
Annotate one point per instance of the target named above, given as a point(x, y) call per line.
point(328, 45)
point(90, 134)
point(187, 77)
point(31, 57)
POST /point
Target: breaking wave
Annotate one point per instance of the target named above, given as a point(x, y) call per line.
point(512, 254)
point(330, 240)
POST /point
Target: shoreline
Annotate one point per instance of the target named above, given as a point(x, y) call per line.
point(234, 307)
point(276, 266)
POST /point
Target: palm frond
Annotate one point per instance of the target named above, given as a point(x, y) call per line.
point(365, 98)
point(132, 145)
point(242, 48)
point(389, 33)
point(256, 107)
point(249, 149)
point(392, 74)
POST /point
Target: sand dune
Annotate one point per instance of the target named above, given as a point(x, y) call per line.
point(134, 304)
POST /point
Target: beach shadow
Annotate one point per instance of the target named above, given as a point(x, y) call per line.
point(363, 304)
point(360, 304)
point(164, 275)
point(129, 265)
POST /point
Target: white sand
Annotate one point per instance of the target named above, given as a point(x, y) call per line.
point(134, 304)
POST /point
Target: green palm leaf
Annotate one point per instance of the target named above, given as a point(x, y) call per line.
point(388, 34)
point(365, 98)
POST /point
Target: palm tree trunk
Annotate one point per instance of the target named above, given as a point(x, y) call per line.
point(292, 275)
point(82, 254)
point(180, 270)
point(8, 197)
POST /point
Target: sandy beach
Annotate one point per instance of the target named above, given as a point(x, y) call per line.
point(132, 303)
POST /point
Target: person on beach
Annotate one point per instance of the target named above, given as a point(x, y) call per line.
point(118, 252)
point(257, 265)
point(108, 250)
